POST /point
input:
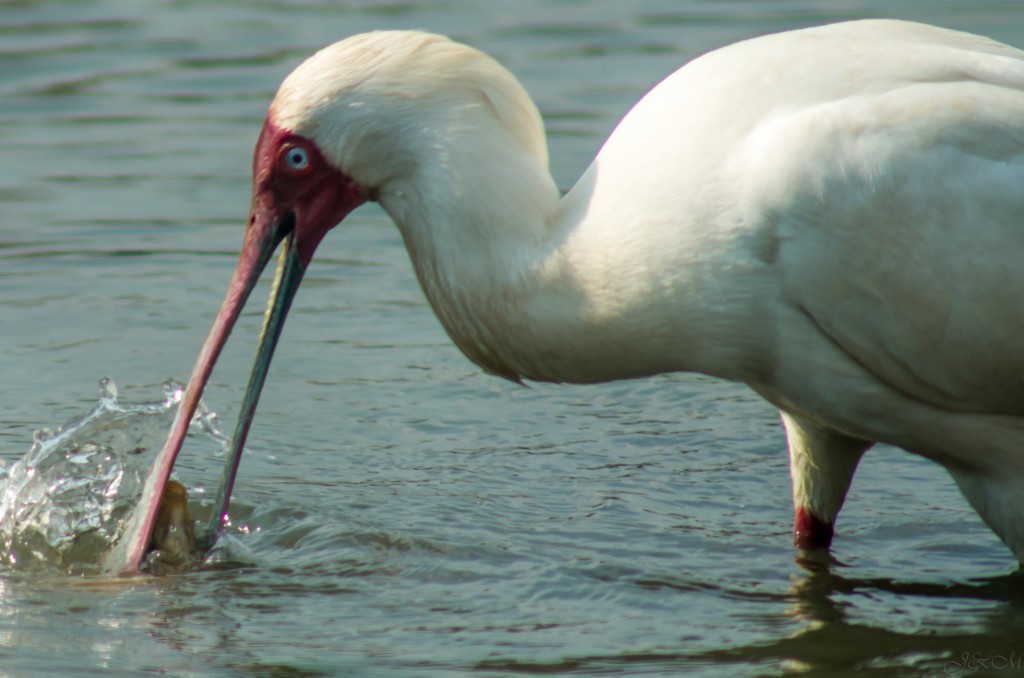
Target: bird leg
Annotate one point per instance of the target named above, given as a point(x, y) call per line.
point(997, 497)
point(822, 463)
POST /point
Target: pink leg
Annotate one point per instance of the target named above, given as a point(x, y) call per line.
point(810, 531)
point(821, 463)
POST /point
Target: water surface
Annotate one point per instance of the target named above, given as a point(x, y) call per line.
point(400, 512)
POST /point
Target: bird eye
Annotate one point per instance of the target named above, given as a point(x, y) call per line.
point(295, 158)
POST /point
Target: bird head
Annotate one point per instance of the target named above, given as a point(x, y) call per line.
point(362, 119)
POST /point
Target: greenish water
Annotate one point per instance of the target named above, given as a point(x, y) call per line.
point(401, 513)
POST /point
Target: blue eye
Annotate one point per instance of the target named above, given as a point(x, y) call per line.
point(296, 158)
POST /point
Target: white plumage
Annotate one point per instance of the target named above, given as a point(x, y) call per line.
point(834, 216)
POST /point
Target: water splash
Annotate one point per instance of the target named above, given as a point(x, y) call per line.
point(64, 504)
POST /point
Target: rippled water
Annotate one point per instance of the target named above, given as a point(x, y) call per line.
point(401, 513)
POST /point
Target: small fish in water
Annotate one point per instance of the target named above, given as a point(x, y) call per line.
point(173, 545)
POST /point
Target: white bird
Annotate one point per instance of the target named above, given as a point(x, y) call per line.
point(833, 216)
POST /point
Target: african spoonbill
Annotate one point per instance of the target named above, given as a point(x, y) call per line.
point(833, 216)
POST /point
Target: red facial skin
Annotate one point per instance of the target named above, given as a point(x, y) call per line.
point(296, 192)
point(318, 194)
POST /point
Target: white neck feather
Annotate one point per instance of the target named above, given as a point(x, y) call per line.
point(617, 279)
point(530, 285)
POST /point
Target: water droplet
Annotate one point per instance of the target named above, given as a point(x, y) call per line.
point(65, 503)
point(173, 392)
point(108, 389)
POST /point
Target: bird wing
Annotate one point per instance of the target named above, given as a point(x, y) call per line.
point(872, 170)
point(899, 217)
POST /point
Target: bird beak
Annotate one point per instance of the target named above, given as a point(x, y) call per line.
point(326, 197)
point(287, 277)
point(261, 240)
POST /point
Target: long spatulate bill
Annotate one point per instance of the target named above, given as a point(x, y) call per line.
point(297, 197)
point(128, 553)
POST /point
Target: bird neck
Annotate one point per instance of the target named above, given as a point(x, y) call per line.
point(531, 285)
